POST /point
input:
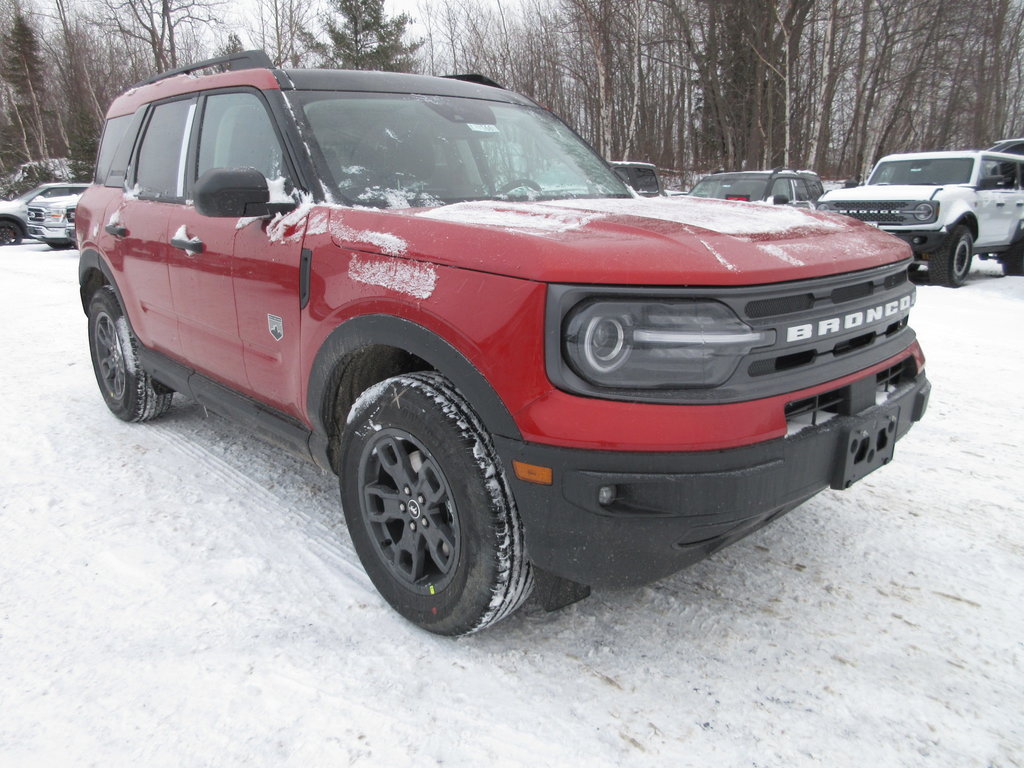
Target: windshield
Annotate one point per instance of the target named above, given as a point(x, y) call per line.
point(399, 151)
point(943, 170)
point(731, 187)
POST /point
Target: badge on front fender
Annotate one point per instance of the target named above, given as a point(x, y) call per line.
point(276, 326)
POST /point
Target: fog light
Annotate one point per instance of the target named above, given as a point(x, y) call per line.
point(606, 495)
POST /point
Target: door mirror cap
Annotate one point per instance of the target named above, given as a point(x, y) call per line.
point(236, 193)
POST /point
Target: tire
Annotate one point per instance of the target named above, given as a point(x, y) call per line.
point(10, 233)
point(129, 392)
point(429, 508)
point(951, 264)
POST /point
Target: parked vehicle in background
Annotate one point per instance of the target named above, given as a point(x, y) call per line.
point(642, 178)
point(949, 206)
point(14, 213)
point(1009, 146)
point(48, 221)
point(780, 186)
point(523, 375)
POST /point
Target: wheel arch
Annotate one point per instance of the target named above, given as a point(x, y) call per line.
point(968, 220)
point(93, 274)
point(366, 350)
point(8, 219)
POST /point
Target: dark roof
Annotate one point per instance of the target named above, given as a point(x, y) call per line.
point(395, 82)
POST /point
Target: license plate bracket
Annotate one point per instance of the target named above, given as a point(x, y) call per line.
point(865, 446)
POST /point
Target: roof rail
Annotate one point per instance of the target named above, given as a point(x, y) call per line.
point(241, 60)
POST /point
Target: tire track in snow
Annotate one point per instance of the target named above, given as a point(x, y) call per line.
point(322, 547)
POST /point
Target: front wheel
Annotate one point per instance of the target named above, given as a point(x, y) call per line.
point(127, 389)
point(10, 233)
point(951, 263)
point(428, 507)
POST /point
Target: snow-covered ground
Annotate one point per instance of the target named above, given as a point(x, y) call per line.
point(181, 594)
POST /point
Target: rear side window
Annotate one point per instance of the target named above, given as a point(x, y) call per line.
point(113, 133)
point(159, 171)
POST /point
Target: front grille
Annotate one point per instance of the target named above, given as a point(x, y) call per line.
point(812, 411)
point(892, 212)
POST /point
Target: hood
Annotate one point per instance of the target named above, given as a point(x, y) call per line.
point(677, 241)
point(56, 202)
point(872, 192)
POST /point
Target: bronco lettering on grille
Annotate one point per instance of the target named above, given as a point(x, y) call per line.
point(849, 321)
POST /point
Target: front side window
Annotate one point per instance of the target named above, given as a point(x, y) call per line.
point(237, 133)
point(161, 157)
point(397, 151)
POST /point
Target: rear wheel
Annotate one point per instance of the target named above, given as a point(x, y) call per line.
point(429, 509)
point(951, 263)
point(129, 392)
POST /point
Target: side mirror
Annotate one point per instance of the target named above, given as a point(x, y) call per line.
point(780, 200)
point(991, 182)
point(235, 193)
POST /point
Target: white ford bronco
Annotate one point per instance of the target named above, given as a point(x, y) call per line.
point(949, 206)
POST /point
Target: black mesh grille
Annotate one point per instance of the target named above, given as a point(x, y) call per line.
point(851, 292)
point(781, 305)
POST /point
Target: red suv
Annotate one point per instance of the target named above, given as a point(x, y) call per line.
point(524, 376)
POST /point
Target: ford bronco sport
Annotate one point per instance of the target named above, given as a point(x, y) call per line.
point(949, 206)
point(524, 376)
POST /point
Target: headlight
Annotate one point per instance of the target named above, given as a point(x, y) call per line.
point(924, 211)
point(824, 206)
point(672, 344)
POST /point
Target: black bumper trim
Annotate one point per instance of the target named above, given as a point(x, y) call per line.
point(669, 510)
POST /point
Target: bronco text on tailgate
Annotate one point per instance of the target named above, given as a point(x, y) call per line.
point(524, 376)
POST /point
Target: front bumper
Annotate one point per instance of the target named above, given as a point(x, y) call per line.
point(666, 511)
point(52, 235)
point(922, 240)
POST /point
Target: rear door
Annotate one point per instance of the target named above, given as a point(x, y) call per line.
point(139, 225)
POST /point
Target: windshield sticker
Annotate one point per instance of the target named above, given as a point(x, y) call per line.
point(482, 127)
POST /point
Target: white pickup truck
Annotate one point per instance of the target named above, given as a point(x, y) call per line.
point(949, 206)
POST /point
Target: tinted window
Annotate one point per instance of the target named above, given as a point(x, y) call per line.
point(159, 166)
point(732, 187)
point(782, 187)
point(645, 180)
point(800, 186)
point(1006, 172)
point(237, 133)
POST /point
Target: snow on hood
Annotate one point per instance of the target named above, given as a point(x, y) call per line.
point(623, 241)
point(723, 217)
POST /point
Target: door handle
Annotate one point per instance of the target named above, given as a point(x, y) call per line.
point(1000, 205)
point(117, 230)
point(1020, 203)
point(191, 245)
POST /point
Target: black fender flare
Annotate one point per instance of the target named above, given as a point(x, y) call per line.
point(90, 261)
point(388, 330)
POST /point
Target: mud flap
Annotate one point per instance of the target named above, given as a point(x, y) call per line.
point(867, 445)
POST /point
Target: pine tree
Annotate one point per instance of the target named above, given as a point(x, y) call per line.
point(366, 38)
point(22, 70)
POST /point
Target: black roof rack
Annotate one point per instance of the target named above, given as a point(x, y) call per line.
point(233, 61)
point(473, 78)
